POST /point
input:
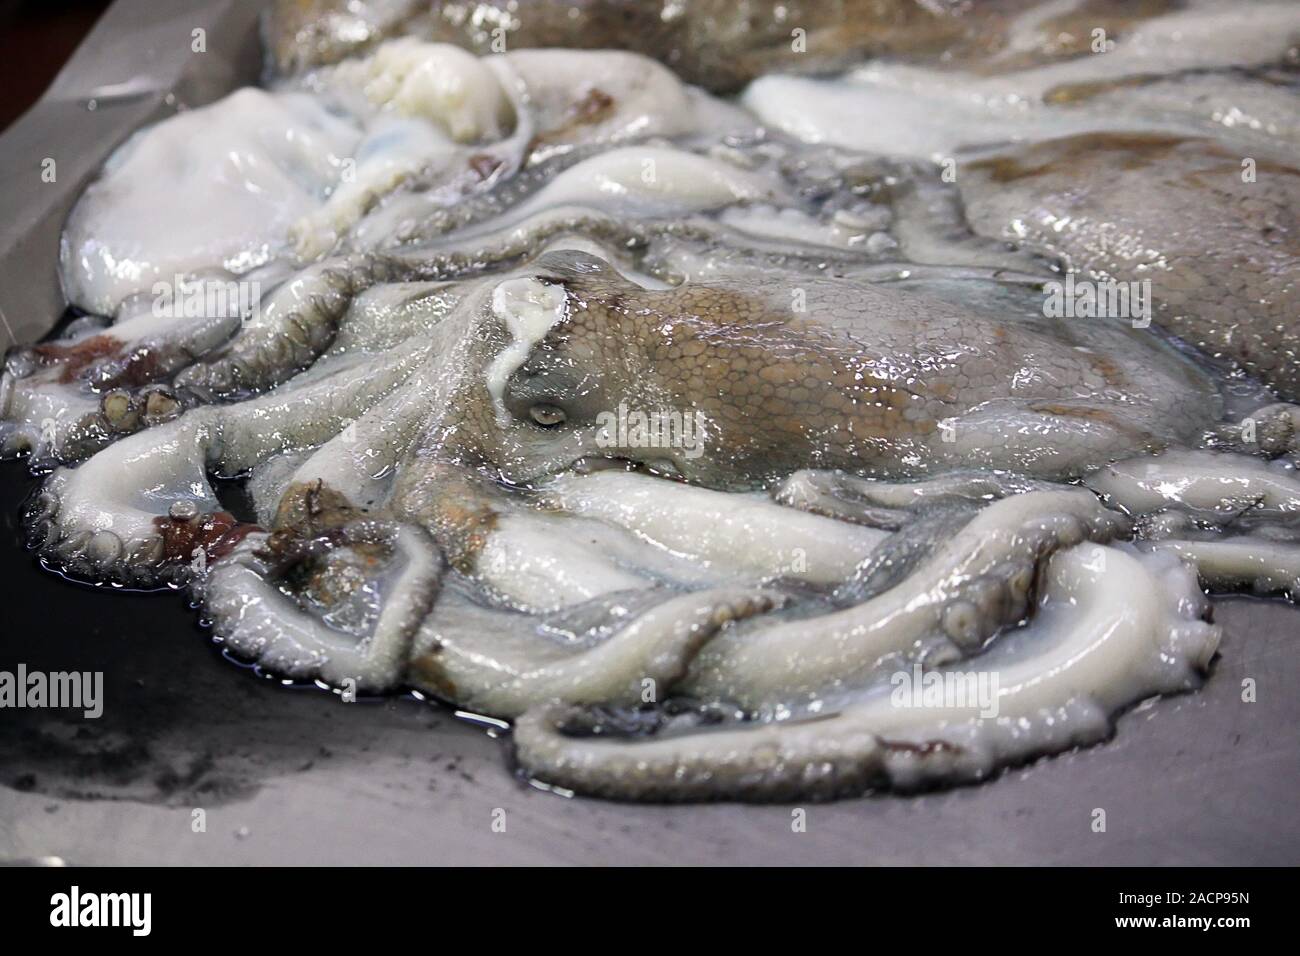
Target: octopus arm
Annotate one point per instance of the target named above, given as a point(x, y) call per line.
point(295, 324)
point(886, 504)
point(1114, 627)
point(65, 399)
point(258, 620)
point(1268, 567)
point(640, 661)
point(742, 534)
point(976, 583)
point(1211, 485)
point(137, 508)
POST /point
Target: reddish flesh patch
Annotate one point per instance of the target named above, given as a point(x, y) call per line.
point(76, 358)
point(217, 534)
point(140, 367)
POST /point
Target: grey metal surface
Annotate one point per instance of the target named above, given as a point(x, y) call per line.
point(287, 775)
point(138, 64)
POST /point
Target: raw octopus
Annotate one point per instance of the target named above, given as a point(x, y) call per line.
point(681, 432)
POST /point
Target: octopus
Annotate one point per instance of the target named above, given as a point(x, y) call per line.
point(714, 43)
point(718, 452)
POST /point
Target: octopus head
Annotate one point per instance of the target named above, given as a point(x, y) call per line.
point(569, 380)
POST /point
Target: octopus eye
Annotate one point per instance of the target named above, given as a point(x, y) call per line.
point(548, 416)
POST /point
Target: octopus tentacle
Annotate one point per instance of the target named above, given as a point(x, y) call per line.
point(360, 462)
point(647, 655)
point(630, 182)
point(541, 563)
point(906, 550)
point(975, 583)
point(423, 217)
point(1213, 486)
point(743, 533)
point(63, 400)
point(295, 324)
point(532, 561)
point(1113, 628)
point(1267, 567)
point(383, 317)
point(256, 619)
point(143, 505)
point(884, 504)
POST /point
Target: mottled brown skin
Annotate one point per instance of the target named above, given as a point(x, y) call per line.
point(456, 506)
point(1067, 34)
point(1220, 252)
point(718, 44)
point(862, 379)
point(320, 544)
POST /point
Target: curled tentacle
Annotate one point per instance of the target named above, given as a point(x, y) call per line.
point(143, 508)
point(884, 504)
point(973, 585)
point(363, 602)
point(1213, 486)
point(641, 660)
point(64, 399)
point(1266, 567)
point(740, 533)
point(1112, 629)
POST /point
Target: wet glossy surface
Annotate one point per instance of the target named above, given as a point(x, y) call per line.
point(298, 775)
point(957, 619)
